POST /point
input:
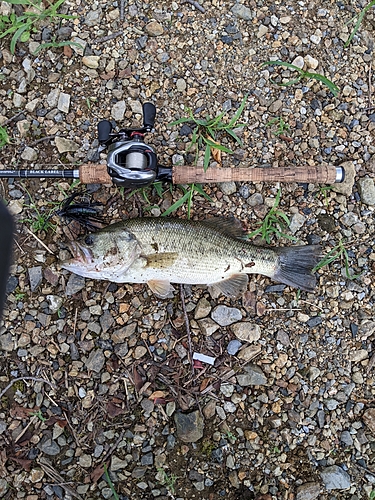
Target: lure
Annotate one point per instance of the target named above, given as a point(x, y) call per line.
point(78, 207)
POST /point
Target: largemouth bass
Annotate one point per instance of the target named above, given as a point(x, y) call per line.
point(161, 251)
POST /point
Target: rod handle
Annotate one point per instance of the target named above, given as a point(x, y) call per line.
point(324, 174)
point(93, 173)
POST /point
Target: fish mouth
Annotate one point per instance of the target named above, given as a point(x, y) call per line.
point(81, 255)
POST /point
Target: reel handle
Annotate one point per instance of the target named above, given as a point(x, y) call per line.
point(104, 129)
point(149, 114)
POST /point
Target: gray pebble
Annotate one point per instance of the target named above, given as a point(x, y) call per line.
point(74, 285)
point(233, 347)
point(93, 17)
point(95, 361)
point(228, 188)
point(29, 154)
point(255, 199)
point(49, 447)
point(225, 316)
point(63, 103)
point(189, 426)
point(118, 110)
point(335, 478)
point(242, 11)
point(308, 491)
point(4, 486)
point(147, 459)
point(253, 376)
point(367, 190)
point(35, 277)
point(346, 438)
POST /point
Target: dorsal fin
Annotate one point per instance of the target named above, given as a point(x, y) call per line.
point(161, 288)
point(226, 225)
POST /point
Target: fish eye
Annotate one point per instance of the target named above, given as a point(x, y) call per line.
point(89, 240)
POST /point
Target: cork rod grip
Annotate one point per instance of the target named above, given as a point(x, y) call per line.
point(325, 174)
point(92, 173)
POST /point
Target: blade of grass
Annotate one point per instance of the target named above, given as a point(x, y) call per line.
point(177, 204)
point(238, 112)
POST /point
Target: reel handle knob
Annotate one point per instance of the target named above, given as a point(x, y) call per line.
point(104, 129)
point(149, 113)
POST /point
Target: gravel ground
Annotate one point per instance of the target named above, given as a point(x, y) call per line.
point(94, 374)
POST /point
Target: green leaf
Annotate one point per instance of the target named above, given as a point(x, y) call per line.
point(180, 120)
point(198, 188)
point(317, 76)
point(177, 204)
point(25, 36)
point(234, 136)
point(215, 145)
point(17, 35)
point(239, 111)
point(282, 63)
point(207, 156)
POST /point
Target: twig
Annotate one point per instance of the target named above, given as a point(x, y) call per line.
point(75, 322)
point(32, 420)
point(46, 138)
point(13, 118)
point(35, 379)
point(57, 478)
point(187, 325)
point(108, 37)
point(195, 4)
point(113, 447)
point(122, 5)
point(371, 363)
point(39, 240)
point(369, 86)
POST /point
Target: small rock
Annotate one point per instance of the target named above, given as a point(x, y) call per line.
point(64, 145)
point(85, 461)
point(255, 199)
point(367, 190)
point(369, 419)
point(181, 85)
point(335, 478)
point(313, 373)
point(242, 11)
point(147, 459)
point(53, 98)
point(263, 30)
point(308, 491)
point(299, 62)
point(296, 222)
point(140, 351)
point(208, 326)
point(154, 28)
point(249, 353)
point(55, 303)
point(95, 361)
point(4, 486)
point(311, 63)
point(358, 355)
point(228, 188)
point(254, 376)
point(275, 106)
point(203, 309)
point(29, 154)
point(118, 110)
point(189, 426)
point(315, 39)
point(118, 464)
point(74, 285)
point(366, 329)
point(49, 447)
point(63, 103)
point(246, 331)
point(233, 347)
point(35, 277)
point(225, 316)
point(93, 17)
point(7, 342)
point(346, 438)
point(91, 61)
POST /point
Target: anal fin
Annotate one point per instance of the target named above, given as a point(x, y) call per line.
point(161, 288)
point(233, 286)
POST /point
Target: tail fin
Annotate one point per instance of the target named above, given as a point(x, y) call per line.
point(295, 266)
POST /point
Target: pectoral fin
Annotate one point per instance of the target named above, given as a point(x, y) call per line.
point(161, 260)
point(233, 286)
point(161, 288)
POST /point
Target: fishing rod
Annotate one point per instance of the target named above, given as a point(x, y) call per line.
point(132, 163)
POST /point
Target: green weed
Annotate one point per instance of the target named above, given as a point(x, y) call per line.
point(303, 75)
point(168, 480)
point(39, 221)
point(187, 198)
point(372, 495)
point(4, 137)
point(358, 18)
point(207, 132)
point(109, 481)
point(282, 126)
point(338, 252)
point(39, 414)
point(324, 191)
point(21, 26)
point(273, 224)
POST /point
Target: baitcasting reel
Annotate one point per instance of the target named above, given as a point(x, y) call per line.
point(131, 162)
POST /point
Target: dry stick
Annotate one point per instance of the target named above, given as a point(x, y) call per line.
point(35, 379)
point(52, 473)
point(108, 37)
point(195, 4)
point(39, 240)
point(13, 118)
point(187, 325)
point(46, 138)
point(122, 5)
point(369, 86)
point(113, 447)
